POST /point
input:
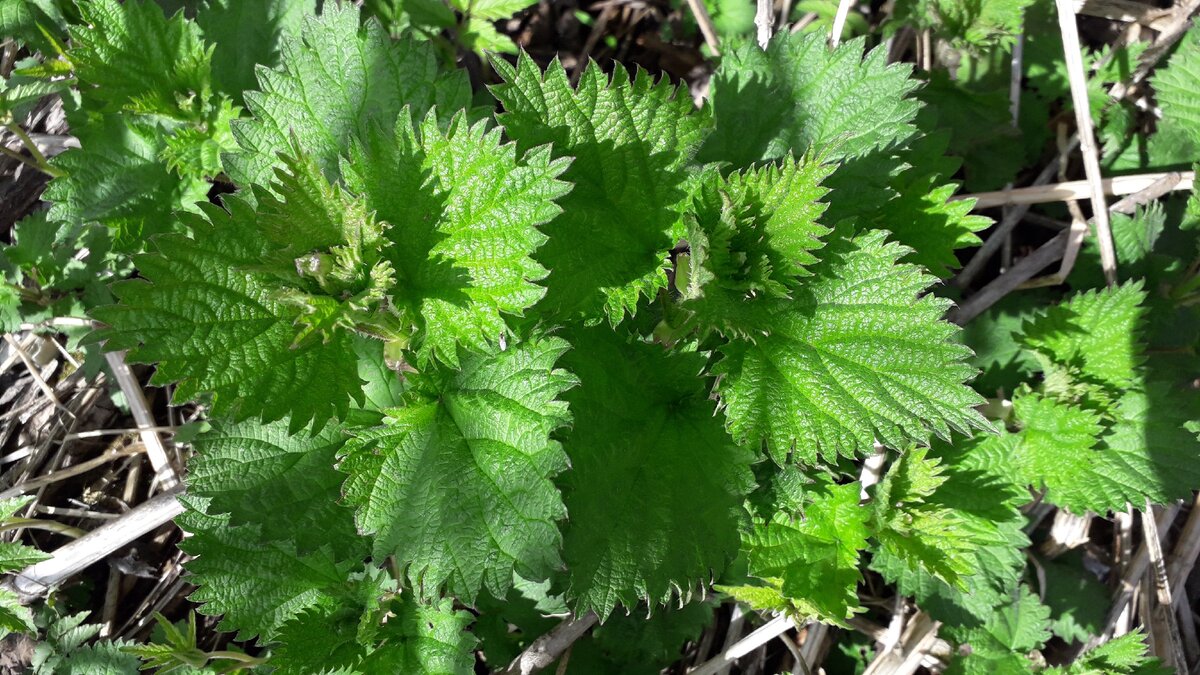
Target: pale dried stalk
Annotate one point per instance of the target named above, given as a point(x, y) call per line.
point(36, 580)
point(1054, 250)
point(764, 21)
point(547, 648)
point(737, 620)
point(761, 636)
point(918, 640)
point(1163, 610)
point(871, 471)
point(1067, 532)
point(705, 22)
point(939, 652)
point(1011, 217)
point(62, 474)
point(136, 398)
point(1131, 580)
point(1004, 284)
point(1073, 52)
point(1183, 558)
point(1075, 189)
point(36, 374)
point(839, 22)
point(814, 643)
point(1168, 35)
point(1078, 228)
point(1124, 10)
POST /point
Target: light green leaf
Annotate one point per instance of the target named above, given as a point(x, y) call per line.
point(465, 214)
point(749, 234)
point(137, 60)
point(212, 324)
point(815, 556)
point(14, 617)
point(456, 484)
point(1001, 643)
point(255, 584)
point(924, 219)
point(246, 34)
point(334, 82)
point(856, 355)
point(977, 23)
point(1125, 655)
point(836, 102)
point(1090, 344)
point(119, 177)
point(495, 10)
point(400, 636)
point(913, 526)
point(630, 140)
point(981, 493)
point(655, 491)
point(1175, 86)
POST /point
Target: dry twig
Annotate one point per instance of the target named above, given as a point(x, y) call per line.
point(1087, 137)
point(547, 648)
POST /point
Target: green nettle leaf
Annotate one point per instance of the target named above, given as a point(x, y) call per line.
point(913, 526)
point(260, 474)
point(1105, 431)
point(139, 61)
point(750, 234)
point(1125, 655)
point(925, 220)
point(1149, 451)
point(1056, 448)
point(984, 497)
point(216, 324)
point(246, 35)
point(1175, 86)
point(120, 178)
point(472, 359)
point(836, 102)
point(336, 81)
point(465, 216)
point(255, 583)
point(856, 355)
point(14, 616)
point(456, 484)
point(979, 23)
point(1089, 346)
point(1000, 644)
point(629, 140)
point(366, 635)
point(495, 10)
point(24, 21)
point(656, 486)
point(812, 558)
point(1134, 238)
point(20, 94)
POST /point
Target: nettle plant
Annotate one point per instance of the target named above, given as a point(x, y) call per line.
point(598, 351)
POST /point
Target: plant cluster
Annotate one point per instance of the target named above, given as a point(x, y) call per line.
point(572, 345)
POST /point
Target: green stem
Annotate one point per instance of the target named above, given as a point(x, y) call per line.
point(237, 656)
point(27, 161)
point(36, 524)
point(40, 161)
